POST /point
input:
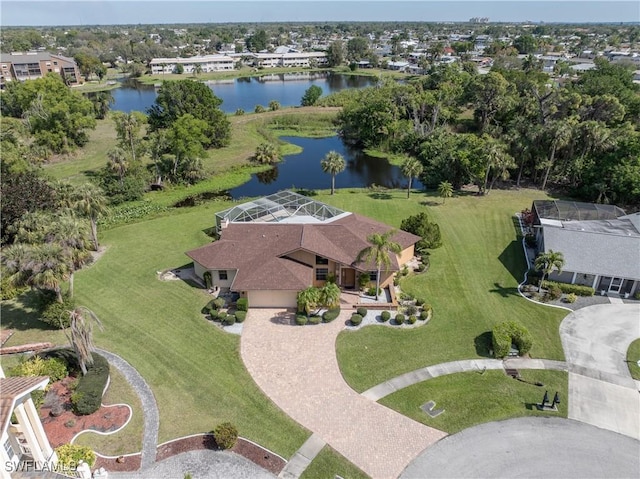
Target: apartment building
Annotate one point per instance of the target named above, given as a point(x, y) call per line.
point(208, 63)
point(19, 66)
point(289, 60)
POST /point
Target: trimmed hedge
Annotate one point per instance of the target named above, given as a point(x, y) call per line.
point(55, 368)
point(242, 304)
point(219, 303)
point(241, 316)
point(229, 320)
point(362, 311)
point(356, 319)
point(507, 333)
point(301, 319)
point(330, 315)
point(399, 318)
point(214, 314)
point(91, 385)
point(567, 288)
point(385, 316)
point(70, 454)
point(412, 319)
point(315, 319)
point(226, 435)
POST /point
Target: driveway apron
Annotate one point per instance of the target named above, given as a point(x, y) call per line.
point(296, 366)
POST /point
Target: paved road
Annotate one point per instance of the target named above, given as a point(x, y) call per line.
point(532, 448)
point(601, 390)
point(297, 368)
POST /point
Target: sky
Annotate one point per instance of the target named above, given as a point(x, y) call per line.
point(99, 12)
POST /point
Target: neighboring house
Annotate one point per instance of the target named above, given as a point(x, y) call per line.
point(600, 244)
point(24, 443)
point(33, 65)
point(271, 248)
point(208, 63)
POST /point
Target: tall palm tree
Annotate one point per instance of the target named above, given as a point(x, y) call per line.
point(80, 335)
point(445, 190)
point(561, 133)
point(118, 162)
point(411, 168)
point(90, 202)
point(547, 262)
point(333, 163)
point(380, 250)
point(72, 234)
point(499, 160)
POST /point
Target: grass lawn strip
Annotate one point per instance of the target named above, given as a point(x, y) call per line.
point(330, 463)
point(633, 356)
point(472, 398)
point(471, 285)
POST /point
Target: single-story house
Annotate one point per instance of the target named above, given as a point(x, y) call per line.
point(25, 445)
point(271, 248)
point(600, 244)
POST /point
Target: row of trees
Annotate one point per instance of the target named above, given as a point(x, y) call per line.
point(582, 136)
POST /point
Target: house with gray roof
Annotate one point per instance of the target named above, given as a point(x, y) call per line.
point(271, 248)
point(600, 244)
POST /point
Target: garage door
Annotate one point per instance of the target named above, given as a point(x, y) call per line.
point(272, 299)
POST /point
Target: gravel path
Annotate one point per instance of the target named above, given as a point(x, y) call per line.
point(149, 406)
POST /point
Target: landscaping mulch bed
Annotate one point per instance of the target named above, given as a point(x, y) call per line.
point(128, 464)
point(254, 453)
point(61, 429)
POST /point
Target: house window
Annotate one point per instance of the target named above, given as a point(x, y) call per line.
point(222, 275)
point(373, 276)
point(8, 449)
point(322, 274)
point(321, 260)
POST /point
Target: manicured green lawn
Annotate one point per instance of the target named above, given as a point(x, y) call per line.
point(473, 398)
point(328, 464)
point(471, 285)
point(129, 439)
point(633, 356)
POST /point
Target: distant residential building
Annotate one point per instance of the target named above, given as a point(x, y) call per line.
point(208, 63)
point(19, 66)
point(290, 60)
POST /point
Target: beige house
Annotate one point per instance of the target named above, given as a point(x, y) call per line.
point(25, 446)
point(270, 249)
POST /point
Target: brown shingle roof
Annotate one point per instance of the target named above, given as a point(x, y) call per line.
point(255, 250)
point(14, 388)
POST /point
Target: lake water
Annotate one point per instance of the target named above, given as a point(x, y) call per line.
point(246, 93)
point(303, 170)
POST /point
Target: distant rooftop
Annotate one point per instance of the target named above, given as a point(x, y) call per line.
point(281, 207)
point(574, 210)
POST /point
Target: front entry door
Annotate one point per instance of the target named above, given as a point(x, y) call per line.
point(616, 284)
point(348, 278)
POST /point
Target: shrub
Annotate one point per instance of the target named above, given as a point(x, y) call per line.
point(424, 315)
point(55, 368)
point(242, 304)
point(636, 295)
point(222, 316)
point(301, 319)
point(363, 280)
point(226, 435)
point(239, 112)
point(567, 288)
point(554, 293)
point(219, 303)
point(372, 291)
point(315, 319)
point(412, 319)
point(230, 320)
point(411, 310)
point(91, 386)
point(429, 232)
point(241, 316)
point(362, 311)
point(510, 332)
point(419, 302)
point(330, 315)
point(9, 291)
point(259, 109)
point(399, 318)
point(385, 316)
point(530, 240)
point(421, 268)
point(70, 454)
point(571, 298)
point(207, 279)
point(405, 270)
point(214, 314)
point(57, 314)
point(356, 319)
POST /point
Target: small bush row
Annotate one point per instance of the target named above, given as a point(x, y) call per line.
point(567, 288)
point(510, 332)
point(88, 393)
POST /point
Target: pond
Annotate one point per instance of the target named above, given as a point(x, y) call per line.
point(246, 92)
point(304, 171)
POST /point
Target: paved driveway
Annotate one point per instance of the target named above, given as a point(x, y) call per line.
point(297, 368)
point(601, 390)
point(532, 448)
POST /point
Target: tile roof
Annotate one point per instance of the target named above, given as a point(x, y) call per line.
point(14, 388)
point(257, 250)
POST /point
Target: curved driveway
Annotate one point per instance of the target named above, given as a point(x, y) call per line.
point(532, 448)
point(601, 390)
point(298, 369)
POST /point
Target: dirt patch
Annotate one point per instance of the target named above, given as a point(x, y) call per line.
point(125, 464)
point(62, 428)
point(253, 452)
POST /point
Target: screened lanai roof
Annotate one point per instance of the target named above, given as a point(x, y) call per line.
point(281, 207)
point(574, 210)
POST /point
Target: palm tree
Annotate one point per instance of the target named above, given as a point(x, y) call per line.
point(411, 168)
point(72, 235)
point(561, 133)
point(497, 159)
point(547, 262)
point(90, 202)
point(197, 69)
point(267, 153)
point(274, 105)
point(118, 162)
point(80, 334)
point(379, 252)
point(330, 295)
point(333, 163)
point(445, 190)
